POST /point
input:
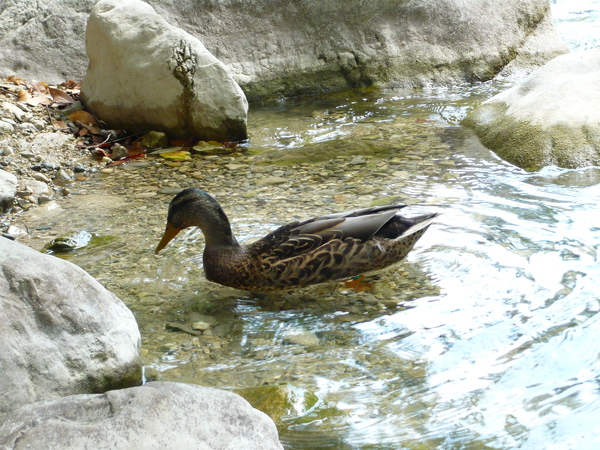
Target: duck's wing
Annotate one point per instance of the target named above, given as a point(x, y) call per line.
point(302, 237)
point(328, 248)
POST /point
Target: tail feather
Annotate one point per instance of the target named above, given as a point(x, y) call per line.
point(420, 222)
point(401, 226)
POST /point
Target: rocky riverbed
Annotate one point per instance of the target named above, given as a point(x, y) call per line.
point(189, 325)
point(43, 157)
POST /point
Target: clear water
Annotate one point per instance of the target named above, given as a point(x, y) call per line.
point(578, 23)
point(487, 337)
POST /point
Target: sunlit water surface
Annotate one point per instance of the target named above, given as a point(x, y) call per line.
point(486, 337)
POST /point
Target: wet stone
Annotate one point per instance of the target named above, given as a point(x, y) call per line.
point(70, 242)
point(270, 181)
point(300, 336)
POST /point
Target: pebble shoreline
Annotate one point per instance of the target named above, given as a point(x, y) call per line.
point(45, 161)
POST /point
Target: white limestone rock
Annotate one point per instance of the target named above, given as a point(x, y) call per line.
point(551, 118)
point(145, 74)
point(61, 332)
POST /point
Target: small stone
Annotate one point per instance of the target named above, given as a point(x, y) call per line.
point(235, 167)
point(14, 110)
point(142, 195)
point(170, 190)
point(182, 327)
point(200, 325)
point(38, 124)
point(46, 165)
point(118, 152)
point(270, 181)
point(6, 150)
point(41, 177)
point(63, 176)
point(369, 299)
point(16, 231)
point(154, 139)
point(44, 199)
point(28, 155)
point(302, 337)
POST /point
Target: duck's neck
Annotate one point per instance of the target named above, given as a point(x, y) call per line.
point(217, 233)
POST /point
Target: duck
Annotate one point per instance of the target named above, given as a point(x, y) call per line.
point(327, 248)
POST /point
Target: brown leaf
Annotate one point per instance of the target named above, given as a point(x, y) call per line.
point(14, 79)
point(39, 87)
point(181, 143)
point(59, 125)
point(135, 148)
point(39, 100)
point(60, 97)
point(83, 117)
point(23, 95)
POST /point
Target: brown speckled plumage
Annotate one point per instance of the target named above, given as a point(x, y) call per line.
point(298, 254)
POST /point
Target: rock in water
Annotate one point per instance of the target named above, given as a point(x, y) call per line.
point(61, 332)
point(551, 118)
point(145, 74)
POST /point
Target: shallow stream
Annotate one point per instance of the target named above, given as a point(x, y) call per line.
point(486, 337)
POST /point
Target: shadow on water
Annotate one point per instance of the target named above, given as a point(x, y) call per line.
point(486, 337)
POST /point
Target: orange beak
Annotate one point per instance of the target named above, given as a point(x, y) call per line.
point(170, 233)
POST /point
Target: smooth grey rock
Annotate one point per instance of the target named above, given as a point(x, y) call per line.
point(158, 415)
point(13, 110)
point(551, 118)
point(63, 176)
point(145, 74)
point(8, 190)
point(61, 332)
point(305, 46)
point(6, 128)
point(33, 187)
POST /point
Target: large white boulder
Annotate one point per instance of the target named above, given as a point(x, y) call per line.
point(61, 332)
point(158, 415)
point(551, 118)
point(145, 74)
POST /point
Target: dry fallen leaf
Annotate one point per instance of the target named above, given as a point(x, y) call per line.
point(39, 87)
point(23, 95)
point(39, 100)
point(59, 125)
point(60, 97)
point(14, 79)
point(83, 117)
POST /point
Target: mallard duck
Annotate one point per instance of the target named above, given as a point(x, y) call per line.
point(326, 248)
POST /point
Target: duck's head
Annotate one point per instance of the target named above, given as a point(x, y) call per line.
point(193, 207)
